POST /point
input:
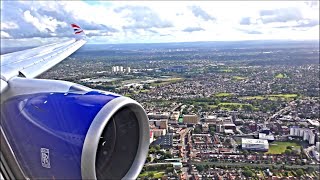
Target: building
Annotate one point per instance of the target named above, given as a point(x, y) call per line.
point(164, 115)
point(219, 128)
point(121, 68)
point(191, 119)
point(255, 144)
point(312, 138)
point(158, 132)
point(163, 124)
point(114, 69)
point(268, 137)
point(313, 122)
point(165, 141)
point(305, 133)
point(318, 146)
point(128, 69)
point(205, 127)
point(151, 137)
point(229, 125)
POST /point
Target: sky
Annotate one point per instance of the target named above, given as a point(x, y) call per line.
point(112, 22)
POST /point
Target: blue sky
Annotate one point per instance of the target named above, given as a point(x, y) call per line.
point(34, 22)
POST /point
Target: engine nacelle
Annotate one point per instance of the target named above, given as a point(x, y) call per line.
point(61, 130)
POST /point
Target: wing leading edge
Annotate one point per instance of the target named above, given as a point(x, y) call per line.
point(33, 62)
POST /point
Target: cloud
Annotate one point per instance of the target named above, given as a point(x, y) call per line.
point(250, 31)
point(142, 17)
point(245, 21)
point(8, 25)
point(192, 29)
point(307, 23)
point(151, 21)
point(200, 13)
point(45, 19)
point(281, 15)
point(5, 35)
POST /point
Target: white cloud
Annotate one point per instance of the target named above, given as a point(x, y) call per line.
point(8, 25)
point(151, 21)
point(5, 35)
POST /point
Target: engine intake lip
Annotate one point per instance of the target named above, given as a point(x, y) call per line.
point(91, 142)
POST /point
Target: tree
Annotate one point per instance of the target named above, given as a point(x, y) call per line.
point(148, 159)
point(299, 172)
point(310, 169)
point(150, 174)
point(247, 173)
point(167, 156)
point(289, 147)
point(287, 151)
point(157, 147)
point(298, 161)
point(200, 168)
point(169, 170)
point(197, 130)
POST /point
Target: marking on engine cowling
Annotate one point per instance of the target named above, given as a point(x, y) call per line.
point(45, 158)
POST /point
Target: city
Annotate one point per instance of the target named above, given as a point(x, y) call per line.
point(231, 110)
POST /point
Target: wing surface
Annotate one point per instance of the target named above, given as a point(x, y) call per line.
point(33, 62)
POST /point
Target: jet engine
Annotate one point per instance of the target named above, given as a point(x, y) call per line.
point(61, 130)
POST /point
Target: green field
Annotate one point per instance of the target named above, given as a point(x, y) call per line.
point(166, 81)
point(285, 96)
point(229, 106)
point(280, 147)
point(238, 78)
point(252, 97)
point(144, 90)
point(280, 76)
point(156, 174)
point(223, 94)
point(225, 70)
point(271, 97)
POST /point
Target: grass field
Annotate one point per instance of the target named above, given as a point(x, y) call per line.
point(286, 96)
point(280, 76)
point(225, 70)
point(252, 97)
point(223, 94)
point(239, 78)
point(166, 81)
point(229, 106)
point(280, 147)
point(271, 97)
point(156, 174)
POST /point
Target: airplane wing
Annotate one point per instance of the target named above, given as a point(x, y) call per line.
point(33, 62)
point(52, 129)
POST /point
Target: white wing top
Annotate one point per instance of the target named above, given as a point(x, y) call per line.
point(33, 62)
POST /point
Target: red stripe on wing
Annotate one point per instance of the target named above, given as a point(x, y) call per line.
point(78, 32)
point(75, 26)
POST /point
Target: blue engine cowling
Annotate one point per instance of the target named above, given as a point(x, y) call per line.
point(73, 132)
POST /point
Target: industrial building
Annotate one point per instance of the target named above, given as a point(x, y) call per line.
point(255, 144)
